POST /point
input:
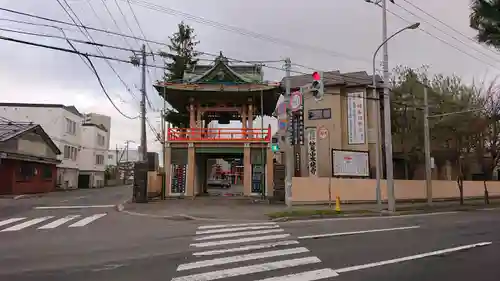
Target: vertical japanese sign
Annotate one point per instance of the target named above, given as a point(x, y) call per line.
point(356, 130)
point(312, 152)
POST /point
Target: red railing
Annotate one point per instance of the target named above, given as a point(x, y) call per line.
point(219, 134)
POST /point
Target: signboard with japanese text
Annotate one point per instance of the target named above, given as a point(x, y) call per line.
point(350, 163)
point(312, 152)
point(356, 126)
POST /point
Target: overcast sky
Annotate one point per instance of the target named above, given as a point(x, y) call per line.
point(322, 34)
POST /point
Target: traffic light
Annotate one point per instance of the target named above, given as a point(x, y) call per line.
point(317, 86)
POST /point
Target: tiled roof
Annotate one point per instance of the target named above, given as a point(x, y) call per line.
point(9, 130)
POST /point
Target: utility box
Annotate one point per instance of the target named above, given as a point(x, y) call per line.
point(141, 182)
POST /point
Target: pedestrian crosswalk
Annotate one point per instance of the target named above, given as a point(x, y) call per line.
point(257, 251)
point(47, 222)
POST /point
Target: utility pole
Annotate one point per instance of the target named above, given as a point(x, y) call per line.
point(427, 147)
point(163, 142)
point(126, 170)
point(288, 150)
point(387, 116)
point(144, 148)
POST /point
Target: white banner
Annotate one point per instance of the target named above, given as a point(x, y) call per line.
point(312, 152)
point(350, 163)
point(356, 118)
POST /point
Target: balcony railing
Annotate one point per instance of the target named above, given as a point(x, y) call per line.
point(219, 134)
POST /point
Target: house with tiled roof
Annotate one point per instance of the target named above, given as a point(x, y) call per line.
point(28, 159)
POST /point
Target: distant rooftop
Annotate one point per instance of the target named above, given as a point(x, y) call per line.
point(69, 108)
point(332, 78)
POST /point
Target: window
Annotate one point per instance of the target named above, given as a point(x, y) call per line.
point(110, 157)
point(47, 173)
point(70, 126)
point(66, 152)
point(99, 159)
point(70, 152)
point(101, 140)
point(25, 172)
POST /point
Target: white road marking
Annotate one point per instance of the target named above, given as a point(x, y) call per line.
point(240, 240)
point(244, 270)
point(236, 234)
point(368, 218)
point(218, 230)
point(59, 222)
point(408, 258)
point(305, 276)
point(26, 224)
point(73, 207)
point(12, 220)
point(234, 225)
point(355, 232)
point(248, 257)
point(87, 220)
point(246, 248)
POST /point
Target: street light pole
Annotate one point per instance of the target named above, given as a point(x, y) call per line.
point(387, 119)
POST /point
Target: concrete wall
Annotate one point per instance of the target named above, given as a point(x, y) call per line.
point(315, 190)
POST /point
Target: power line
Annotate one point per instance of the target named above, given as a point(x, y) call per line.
point(100, 51)
point(447, 25)
point(117, 34)
point(442, 40)
point(242, 31)
point(444, 31)
point(105, 92)
point(203, 21)
point(78, 25)
point(116, 24)
point(139, 25)
point(126, 21)
point(66, 38)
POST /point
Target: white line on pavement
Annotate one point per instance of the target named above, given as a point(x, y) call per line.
point(59, 222)
point(219, 230)
point(305, 276)
point(414, 257)
point(234, 225)
point(73, 207)
point(368, 218)
point(12, 220)
point(240, 240)
point(355, 232)
point(238, 271)
point(87, 220)
point(248, 257)
point(236, 234)
point(247, 248)
point(27, 223)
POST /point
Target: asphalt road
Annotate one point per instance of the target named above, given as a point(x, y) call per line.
point(118, 246)
point(82, 197)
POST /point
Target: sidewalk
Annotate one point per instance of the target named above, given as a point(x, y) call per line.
point(237, 209)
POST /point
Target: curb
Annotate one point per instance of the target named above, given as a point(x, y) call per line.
point(121, 206)
point(383, 214)
point(184, 217)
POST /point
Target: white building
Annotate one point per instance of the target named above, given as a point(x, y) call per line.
point(93, 155)
point(100, 119)
point(63, 125)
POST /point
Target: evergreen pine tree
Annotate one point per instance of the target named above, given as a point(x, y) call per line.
point(182, 54)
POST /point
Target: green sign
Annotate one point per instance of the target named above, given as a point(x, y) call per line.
point(275, 147)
